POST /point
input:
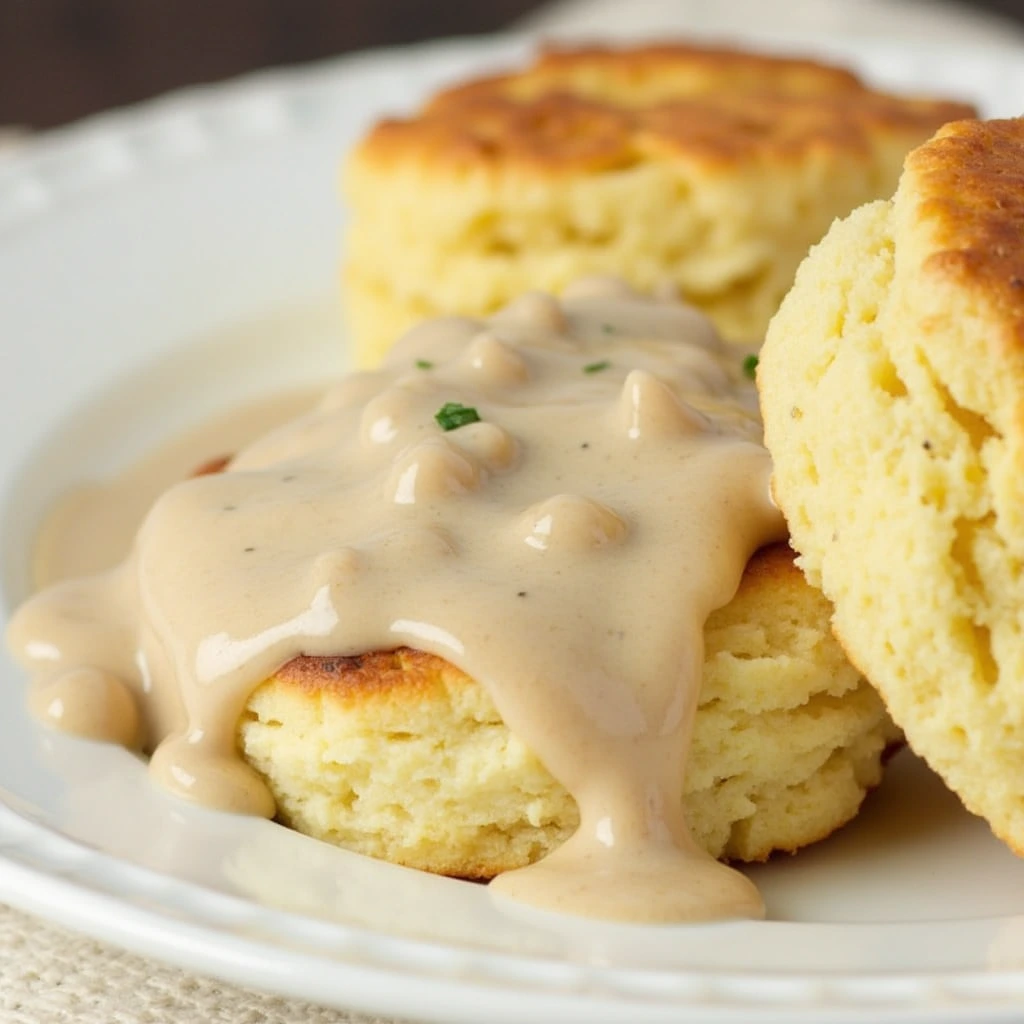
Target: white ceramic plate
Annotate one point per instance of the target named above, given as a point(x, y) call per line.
point(160, 265)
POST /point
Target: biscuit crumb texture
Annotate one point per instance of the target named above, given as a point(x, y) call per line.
point(400, 755)
point(708, 172)
point(892, 387)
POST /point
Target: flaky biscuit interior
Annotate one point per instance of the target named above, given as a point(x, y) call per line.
point(892, 386)
point(399, 755)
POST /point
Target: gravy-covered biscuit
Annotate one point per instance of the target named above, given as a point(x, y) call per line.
point(554, 506)
point(402, 756)
point(892, 385)
point(711, 171)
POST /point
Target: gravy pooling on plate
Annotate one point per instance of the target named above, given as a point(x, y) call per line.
point(554, 500)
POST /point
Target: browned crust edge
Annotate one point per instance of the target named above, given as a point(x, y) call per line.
point(728, 106)
point(967, 184)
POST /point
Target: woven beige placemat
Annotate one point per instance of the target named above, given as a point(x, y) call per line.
point(52, 976)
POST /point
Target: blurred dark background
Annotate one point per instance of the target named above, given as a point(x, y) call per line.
point(62, 59)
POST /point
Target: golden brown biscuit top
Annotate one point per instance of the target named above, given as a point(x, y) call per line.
point(373, 672)
point(599, 109)
point(646, 75)
point(967, 187)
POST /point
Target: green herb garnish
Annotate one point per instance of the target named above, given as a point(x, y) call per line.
point(453, 415)
point(607, 328)
point(424, 364)
point(596, 367)
point(750, 367)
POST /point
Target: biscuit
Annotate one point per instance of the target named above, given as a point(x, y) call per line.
point(400, 755)
point(892, 387)
point(705, 170)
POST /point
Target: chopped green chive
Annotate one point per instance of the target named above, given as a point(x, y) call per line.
point(607, 328)
point(596, 367)
point(424, 364)
point(453, 415)
point(750, 367)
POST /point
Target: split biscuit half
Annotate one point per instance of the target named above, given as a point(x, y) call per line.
point(892, 389)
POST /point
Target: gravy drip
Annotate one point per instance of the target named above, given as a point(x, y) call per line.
point(91, 527)
point(564, 550)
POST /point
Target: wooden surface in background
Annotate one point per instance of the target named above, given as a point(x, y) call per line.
point(62, 59)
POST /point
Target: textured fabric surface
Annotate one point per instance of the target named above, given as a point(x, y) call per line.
point(51, 976)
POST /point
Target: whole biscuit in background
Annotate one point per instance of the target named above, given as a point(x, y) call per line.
point(708, 170)
point(892, 388)
point(399, 755)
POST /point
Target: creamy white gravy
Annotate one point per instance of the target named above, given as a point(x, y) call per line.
point(91, 527)
point(564, 550)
